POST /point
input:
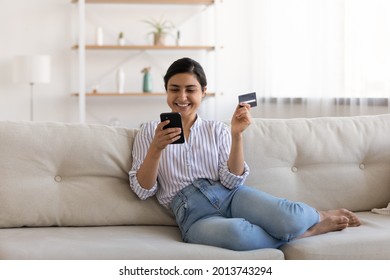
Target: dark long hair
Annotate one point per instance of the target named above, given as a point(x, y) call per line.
point(186, 65)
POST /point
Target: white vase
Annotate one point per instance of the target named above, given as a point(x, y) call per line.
point(121, 41)
point(178, 38)
point(120, 80)
point(99, 36)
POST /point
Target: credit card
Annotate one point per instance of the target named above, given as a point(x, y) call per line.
point(249, 98)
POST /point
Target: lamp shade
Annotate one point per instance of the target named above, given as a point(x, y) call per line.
point(31, 69)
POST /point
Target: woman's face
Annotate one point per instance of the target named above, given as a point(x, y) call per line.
point(184, 95)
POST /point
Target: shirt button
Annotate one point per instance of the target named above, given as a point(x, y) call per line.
point(362, 166)
point(294, 169)
point(57, 178)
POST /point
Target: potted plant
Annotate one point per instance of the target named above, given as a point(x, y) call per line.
point(121, 39)
point(160, 28)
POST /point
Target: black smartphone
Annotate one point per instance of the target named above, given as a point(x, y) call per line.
point(175, 121)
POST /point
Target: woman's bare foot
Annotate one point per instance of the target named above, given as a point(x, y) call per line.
point(333, 220)
point(353, 219)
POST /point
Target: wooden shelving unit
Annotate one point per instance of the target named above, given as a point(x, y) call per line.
point(81, 47)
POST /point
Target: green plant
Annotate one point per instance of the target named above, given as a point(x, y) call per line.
point(160, 26)
point(146, 70)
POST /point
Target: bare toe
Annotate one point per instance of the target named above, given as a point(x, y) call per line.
point(338, 222)
point(353, 219)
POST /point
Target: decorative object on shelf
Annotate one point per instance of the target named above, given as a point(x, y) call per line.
point(99, 36)
point(31, 69)
point(120, 80)
point(121, 39)
point(160, 28)
point(147, 81)
point(178, 38)
point(95, 89)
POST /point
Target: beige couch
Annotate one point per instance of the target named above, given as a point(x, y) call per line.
point(64, 190)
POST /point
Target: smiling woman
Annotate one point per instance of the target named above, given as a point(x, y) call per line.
point(202, 180)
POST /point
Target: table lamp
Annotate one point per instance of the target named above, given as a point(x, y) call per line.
point(31, 69)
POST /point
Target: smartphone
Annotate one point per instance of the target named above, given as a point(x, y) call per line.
point(175, 121)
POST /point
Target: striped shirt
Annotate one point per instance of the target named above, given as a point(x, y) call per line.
point(205, 155)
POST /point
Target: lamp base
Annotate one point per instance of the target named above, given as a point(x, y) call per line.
point(31, 101)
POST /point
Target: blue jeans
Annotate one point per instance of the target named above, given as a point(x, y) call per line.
point(240, 219)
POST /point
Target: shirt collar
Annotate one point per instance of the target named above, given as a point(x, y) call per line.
point(198, 122)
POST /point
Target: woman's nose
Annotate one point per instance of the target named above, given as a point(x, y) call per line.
point(182, 95)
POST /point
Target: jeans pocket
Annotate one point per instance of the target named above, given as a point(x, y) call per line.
point(181, 216)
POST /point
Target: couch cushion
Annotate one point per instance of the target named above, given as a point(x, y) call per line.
point(113, 243)
point(370, 241)
point(69, 175)
point(328, 162)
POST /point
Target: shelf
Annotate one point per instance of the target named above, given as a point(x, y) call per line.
point(143, 94)
point(181, 2)
point(145, 47)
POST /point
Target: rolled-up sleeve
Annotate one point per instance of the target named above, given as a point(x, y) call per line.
point(230, 180)
point(140, 148)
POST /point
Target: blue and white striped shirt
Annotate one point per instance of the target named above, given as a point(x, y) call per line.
point(205, 155)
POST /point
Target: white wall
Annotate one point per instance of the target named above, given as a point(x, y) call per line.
point(50, 27)
point(35, 27)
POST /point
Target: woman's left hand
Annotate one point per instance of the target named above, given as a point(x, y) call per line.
point(241, 118)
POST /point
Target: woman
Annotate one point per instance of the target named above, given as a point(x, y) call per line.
point(201, 181)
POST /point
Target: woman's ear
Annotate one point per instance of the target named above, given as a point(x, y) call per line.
point(204, 91)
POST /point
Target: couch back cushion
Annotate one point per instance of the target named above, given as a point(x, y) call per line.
point(56, 174)
point(327, 162)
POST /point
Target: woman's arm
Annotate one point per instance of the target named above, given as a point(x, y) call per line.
point(147, 172)
point(240, 121)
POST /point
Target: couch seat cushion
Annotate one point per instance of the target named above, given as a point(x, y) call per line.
point(112, 242)
point(369, 241)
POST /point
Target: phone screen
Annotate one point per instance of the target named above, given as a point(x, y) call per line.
point(175, 121)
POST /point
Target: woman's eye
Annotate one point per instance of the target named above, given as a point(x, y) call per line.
point(191, 90)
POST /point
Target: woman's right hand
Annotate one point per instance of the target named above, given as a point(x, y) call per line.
point(147, 173)
point(164, 137)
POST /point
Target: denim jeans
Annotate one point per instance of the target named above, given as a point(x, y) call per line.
point(240, 219)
